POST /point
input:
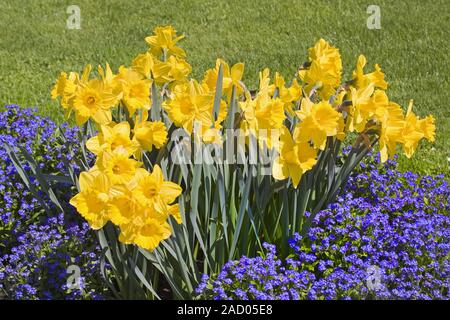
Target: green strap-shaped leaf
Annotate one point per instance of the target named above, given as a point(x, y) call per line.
point(240, 218)
point(25, 176)
point(218, 95)
point(194, 214)
point(155, 111)
point(232, 109)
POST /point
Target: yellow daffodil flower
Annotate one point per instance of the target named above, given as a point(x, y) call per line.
point(362, 107)
point(112, 137)
point(152, 191)
point(136, 90)
point(179, 68)
point(288, 95)
point(145, 232)
point(262, 117)
point(149, 134)
point(319, 121)
point(174, 211)
point(361, 80)
point(324, 72)
point(231, 77)
point(123, 206)
point(413, 131)
point(94, 100)
point(212, 135)
point(65, 88)
point(92, 201)
point(428, 128)
point(190, 103)
point(174, 69)
point(392, 123)
point(117, 165)
point(165, 40)
point(295, 158)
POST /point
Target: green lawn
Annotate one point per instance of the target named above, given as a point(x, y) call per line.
point(412, 46)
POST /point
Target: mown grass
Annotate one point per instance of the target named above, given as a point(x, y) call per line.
point(412, 46)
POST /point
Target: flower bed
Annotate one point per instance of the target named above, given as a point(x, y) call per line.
point(386, 221)
point(386, 237)
point(38, 246)
point(178, 175)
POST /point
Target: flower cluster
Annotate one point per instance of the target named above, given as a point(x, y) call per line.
point(293, 120)
point(37, 246)
point(137, 201)
point(192, 102)
point(37, 266)
point(387, 237)
point(22, 127)
point(116, 188)
point(95, 98)
point(329, 109)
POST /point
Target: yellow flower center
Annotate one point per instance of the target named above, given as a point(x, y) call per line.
point(151, 191)
point(90, 100)
point(116, 169)
point(186, 106)
point(135, 91)
point(119, 141)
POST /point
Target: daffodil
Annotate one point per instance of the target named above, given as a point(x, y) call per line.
point(136, 90)
point(143, 64)
point(212, 135)
point(93, 99)
point(428, 128)
point(392, 122)
point(163, 41)
point(117, 165)
point(153, 191)
point(65, 88)
point(123, 207)
point(59, 88)
point(146, 233)
point(361, 80)
point(88, 98)
point(152, 68)
point(92, 200)
point(362, 107)
point(174, 211)
point(324, 71)
point(288, 95)
point(110, 138)
point(413, 131)
point(231, 77)
point(262, 117)
point(295, 158)
point(149, 134)
point(179, 68)
point(192, 102)
point(106, 75)
point(269, 113)
point(319, 121)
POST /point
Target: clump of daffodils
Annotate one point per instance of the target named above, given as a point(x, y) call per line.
point(117, 188)
point(313, 108)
